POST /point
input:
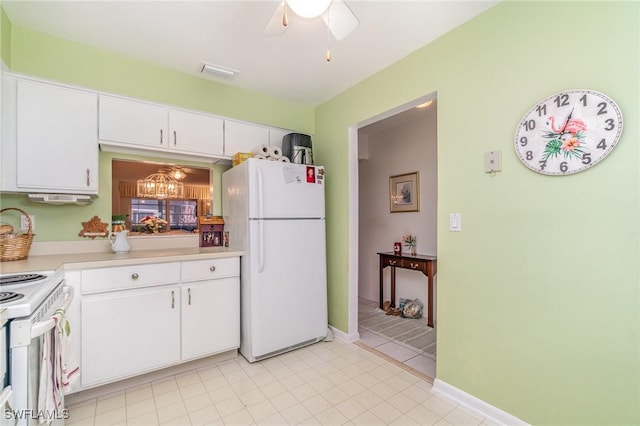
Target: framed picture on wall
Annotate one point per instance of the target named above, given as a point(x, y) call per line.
point(404, 192)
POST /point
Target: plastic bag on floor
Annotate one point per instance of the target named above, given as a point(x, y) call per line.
point(412, 309)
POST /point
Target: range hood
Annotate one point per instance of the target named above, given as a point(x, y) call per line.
point(79, 200)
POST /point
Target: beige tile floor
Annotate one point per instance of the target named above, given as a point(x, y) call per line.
point(408, 355)
point(329, 383)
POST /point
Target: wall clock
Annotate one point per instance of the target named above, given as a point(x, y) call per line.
point(568, 132)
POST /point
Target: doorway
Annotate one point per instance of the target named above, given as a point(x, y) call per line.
point(398, 142)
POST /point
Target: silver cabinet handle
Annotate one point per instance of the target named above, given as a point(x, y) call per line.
point(212, 269)
point(88, 177)
point(160, 136)
point(189, 293)
point(393, 262)
point(173, 299)
point(175, 138)
point(135, 276)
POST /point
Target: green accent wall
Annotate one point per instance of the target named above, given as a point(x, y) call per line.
point(70, 62)
point(5, 38)
point(538, 296)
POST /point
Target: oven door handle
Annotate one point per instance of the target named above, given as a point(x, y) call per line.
point(42, 327)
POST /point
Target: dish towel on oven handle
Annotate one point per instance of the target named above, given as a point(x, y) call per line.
point(58, 368)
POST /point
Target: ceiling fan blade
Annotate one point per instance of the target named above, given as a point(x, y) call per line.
point(276, 26)
point(340, 19)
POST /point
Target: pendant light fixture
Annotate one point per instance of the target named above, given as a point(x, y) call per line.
point(160, 186)
point(177, 173)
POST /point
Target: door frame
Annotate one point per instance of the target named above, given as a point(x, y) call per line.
point(354, 208)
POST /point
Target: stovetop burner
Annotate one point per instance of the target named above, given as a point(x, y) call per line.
point(10, 296)
point(20, 278)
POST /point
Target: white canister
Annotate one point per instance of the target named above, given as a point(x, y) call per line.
point(298, 154)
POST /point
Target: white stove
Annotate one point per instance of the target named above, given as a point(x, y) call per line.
point(22, 294)
point(29, 301)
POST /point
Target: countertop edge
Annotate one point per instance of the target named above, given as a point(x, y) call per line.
point(80, 261)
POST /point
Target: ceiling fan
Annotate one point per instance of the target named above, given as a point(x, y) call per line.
point(336, 14)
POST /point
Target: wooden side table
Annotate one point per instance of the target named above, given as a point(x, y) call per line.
point(423, 263)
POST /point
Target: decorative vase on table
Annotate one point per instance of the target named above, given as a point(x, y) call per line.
point(410, 241)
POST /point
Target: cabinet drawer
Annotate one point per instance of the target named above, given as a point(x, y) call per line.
point(126, 277)
point(210, 269)
point(418, 265)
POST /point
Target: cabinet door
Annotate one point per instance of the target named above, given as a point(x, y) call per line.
point(129, 332)
point(133, 122)
point(196, 133)
point(210, 317)
point(243, 137)
point(57, 147)
point(275, 137)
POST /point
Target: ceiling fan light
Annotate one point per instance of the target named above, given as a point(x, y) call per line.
point(309, 8)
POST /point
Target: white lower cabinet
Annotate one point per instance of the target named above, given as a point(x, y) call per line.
point(125, 333)
point(140, 318)
point(208, 307)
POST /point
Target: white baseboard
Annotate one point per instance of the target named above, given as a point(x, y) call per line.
point(344, 337)
point(463, 398)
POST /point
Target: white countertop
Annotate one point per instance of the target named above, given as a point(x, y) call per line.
point(76, 261)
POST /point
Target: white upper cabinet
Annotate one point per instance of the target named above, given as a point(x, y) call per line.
point(132, 122)
point(275, 136)
point(243, 137)
point(197, 133)
point(158, 127)
point(55, 139)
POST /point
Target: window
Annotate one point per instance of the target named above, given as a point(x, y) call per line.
point(181, 214)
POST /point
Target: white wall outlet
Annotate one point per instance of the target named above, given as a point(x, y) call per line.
point(455, 222)
point(24, 225)
point(492, 161)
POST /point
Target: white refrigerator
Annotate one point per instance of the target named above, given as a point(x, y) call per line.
point(274, 212)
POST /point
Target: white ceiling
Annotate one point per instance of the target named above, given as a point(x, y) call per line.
point(181, 34)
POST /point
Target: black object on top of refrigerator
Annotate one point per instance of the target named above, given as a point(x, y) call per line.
point(298, 148)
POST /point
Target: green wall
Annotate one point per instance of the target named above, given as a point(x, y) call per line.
point(55, 59)
point(538, 296)
point(5, 38)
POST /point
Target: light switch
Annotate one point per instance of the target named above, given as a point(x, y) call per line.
point(455, 222)
point(492, 161)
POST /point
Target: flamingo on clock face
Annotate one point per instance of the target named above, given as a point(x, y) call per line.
point(571, 125)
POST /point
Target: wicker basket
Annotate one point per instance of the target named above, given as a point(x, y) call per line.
point(16, 246)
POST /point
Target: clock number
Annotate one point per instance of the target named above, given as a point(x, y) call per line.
point(543, 164)
point(610, 125)
point(583, 99)
point(562, 100)
point(603, 108)
point(541, 110)
point(529, 155)
point(586, 158)
point(529, 125)
point(523, 141)
point(602, 144)
point(564, 167)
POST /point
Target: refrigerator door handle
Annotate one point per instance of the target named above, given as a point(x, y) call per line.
point(260, 194)
point(261, 245)
point(260, 222)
